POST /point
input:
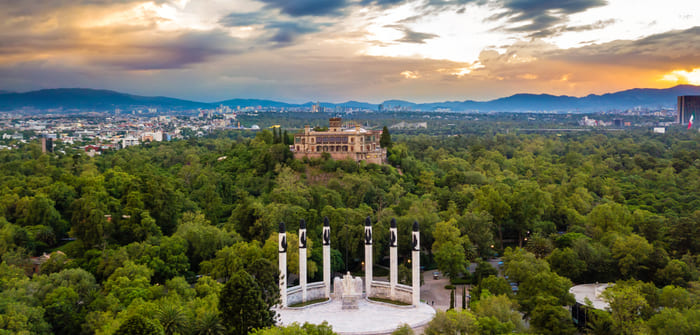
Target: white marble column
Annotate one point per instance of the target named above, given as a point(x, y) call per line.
point(368, 257)
point(302, 259)
point(415, 259)
point(327, 256)
point(282, 250)
point(393, 259)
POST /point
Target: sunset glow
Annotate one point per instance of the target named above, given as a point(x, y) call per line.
point(340, 49)
point(683, 77)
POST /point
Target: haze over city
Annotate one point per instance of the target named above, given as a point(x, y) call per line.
point(335, 50)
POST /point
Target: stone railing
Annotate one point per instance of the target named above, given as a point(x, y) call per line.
point(382, 289)
point(314, 291)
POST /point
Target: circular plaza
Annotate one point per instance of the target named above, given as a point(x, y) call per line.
point(369, 318)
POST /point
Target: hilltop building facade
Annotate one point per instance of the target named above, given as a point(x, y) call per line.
point(687, 106)
point(340, 142)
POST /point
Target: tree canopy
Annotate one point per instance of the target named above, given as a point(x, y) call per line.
point(165, 230)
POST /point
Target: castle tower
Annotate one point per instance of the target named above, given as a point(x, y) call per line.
point(335, 123)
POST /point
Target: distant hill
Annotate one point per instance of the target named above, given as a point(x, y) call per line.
point(82, 98)
point(638, 97)
point(103, 100)
point(233, 103)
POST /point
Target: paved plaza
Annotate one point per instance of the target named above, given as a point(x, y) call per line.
point(370, 318)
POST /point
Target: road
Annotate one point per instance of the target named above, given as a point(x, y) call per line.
point(434, 293)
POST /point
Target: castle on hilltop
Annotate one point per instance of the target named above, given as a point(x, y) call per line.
point(340, 142)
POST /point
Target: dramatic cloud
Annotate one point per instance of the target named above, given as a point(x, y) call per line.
point(275, 31)
point(382, 3)
point(172, 52)
point(670, 50)
point(558, 30)
point(540, 15)
point(300, 50)
point(410, 36)
point(308, 7)
point(243, 19)
point(288, 32)
point(600, 24)
point(121, 35)
point(36, 7)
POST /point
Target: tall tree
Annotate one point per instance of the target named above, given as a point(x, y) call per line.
point(626, 303)
point(449, 250)
point(385, 139)
point(452, 322)
point(552, 320)
point(209, 324)
point(138, 325)
point(242, 305)
point(172, 317)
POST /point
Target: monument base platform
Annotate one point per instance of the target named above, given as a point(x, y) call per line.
point(368, 318)
point(351, 302)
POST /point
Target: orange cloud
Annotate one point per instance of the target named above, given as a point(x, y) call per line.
point(682, 77)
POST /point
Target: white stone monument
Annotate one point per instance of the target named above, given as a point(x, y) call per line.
point(368, 257)
point(415, 259)
point(282, 250)
point(326, 238)
point(393, 260)
point(302, 259)
point(348, 290)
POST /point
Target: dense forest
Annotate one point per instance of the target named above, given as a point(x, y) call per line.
point(168, 237)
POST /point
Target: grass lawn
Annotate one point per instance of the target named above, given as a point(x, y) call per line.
point(393, 302)
point(310, 302)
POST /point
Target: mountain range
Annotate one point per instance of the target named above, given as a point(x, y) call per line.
point(64, 99)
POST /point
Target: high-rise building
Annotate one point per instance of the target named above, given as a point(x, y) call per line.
point(46, 144)
point(687, 106)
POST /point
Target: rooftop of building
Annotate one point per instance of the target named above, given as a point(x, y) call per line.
point(335, 126)
point(592, 293)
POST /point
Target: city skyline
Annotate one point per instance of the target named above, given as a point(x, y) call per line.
point(334, 50)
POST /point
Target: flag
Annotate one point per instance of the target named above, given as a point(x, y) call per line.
point(690, 122)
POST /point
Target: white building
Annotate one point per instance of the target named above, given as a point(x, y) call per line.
point(129, 141)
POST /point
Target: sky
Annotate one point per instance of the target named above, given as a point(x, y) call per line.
point(339, 50)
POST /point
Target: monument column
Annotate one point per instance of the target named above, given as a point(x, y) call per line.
point(393, 260)
point(327, 256)
point(415, 259)
point(302, 259)
point(368, 256)
point(282, 249)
